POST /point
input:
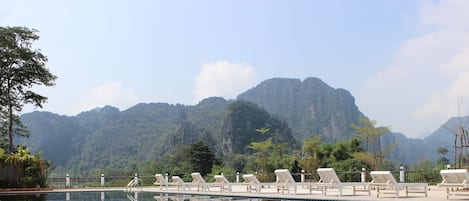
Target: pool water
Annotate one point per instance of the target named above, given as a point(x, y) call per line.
point(78, 196)
point(115, 195)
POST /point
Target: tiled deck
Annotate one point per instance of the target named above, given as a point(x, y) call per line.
point(434, 193)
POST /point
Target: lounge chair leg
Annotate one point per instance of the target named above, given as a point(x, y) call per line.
point(447, 193)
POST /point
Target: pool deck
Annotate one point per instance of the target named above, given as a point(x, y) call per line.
point(434, 194)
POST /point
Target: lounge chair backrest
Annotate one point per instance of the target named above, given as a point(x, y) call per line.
point(455, 176)
point(382, 177)
point(177, 179)
point(250, 178)
point(328, 175)
point(160, 179)
point(284, 176)
point(221, 179)
point(197, 178)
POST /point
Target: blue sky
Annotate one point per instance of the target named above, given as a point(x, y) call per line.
point(406, 62)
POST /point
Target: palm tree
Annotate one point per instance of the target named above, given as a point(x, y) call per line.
point(371, 134)
point(262, 149)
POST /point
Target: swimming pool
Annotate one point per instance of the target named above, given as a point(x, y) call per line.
point(115, 195)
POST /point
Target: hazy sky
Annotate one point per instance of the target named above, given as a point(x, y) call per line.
point(405, 61)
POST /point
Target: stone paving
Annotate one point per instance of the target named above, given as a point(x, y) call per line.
point(434, 193)
point(239, 191)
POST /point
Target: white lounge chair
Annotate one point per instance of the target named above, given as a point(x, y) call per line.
point(179, 183)
point(285, 181)
point(251, 182)
point(330, 180)
point(222, 182)
point(133, 183)
point(161, 181)
point(384, 180)
point(199, 181)
point(456, 178)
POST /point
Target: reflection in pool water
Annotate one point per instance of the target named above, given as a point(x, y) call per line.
point(115, 195)
point(76, 196)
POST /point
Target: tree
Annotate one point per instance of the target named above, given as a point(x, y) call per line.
point(21, 68)
point(296, 170)
point(279, 157)
point(262, 154)
point(443, 161)
point(371, 135)
point(201, 157)
point(310, 151)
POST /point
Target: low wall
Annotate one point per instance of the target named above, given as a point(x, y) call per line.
point(9, 175)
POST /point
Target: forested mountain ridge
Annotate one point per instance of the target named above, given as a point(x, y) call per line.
point(107, 137)
point(292, 109)
point(52, 134)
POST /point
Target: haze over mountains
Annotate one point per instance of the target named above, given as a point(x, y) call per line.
point(293, 109)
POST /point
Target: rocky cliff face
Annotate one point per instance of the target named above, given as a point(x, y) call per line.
point(240, 123)
point(310, 107)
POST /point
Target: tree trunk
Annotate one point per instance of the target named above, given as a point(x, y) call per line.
point(10, 128)
point(10, 118)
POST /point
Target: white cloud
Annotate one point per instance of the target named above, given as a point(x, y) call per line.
point(445, 102)
point(445, 14)
point(108, 93)
point(223, 79)
point(458, 63)
point(430, 73)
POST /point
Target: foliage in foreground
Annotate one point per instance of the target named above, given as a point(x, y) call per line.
point(22, 169)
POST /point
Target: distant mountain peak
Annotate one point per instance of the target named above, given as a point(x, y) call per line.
point(311, 107)
point(106, 108)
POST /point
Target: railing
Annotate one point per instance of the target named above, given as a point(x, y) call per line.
point(410, 176)
point(79, 182)
point(415, 176)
